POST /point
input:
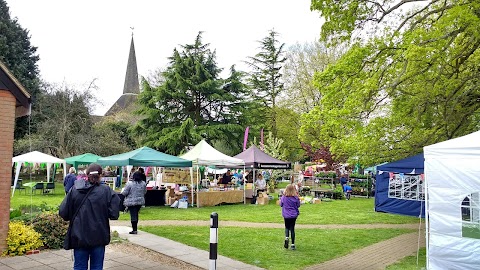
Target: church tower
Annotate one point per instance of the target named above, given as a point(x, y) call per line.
point(131, 87)
point(131, 77)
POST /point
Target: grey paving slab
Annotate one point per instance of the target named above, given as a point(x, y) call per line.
point(111, 264)
point(67, 264)
point(16, 259)
point(144, 264)
point(30, 264)
point(128, 259)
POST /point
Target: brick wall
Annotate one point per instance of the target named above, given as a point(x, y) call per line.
point(7, 125)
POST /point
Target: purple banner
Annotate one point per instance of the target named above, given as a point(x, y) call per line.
point(245, 138)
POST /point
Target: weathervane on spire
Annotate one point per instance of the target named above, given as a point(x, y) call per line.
point(131, 27)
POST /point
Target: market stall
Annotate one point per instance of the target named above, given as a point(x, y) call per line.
point(83, 159)
point(146, 156)
point(255, 159)
point(204, 154)
point(35, 157)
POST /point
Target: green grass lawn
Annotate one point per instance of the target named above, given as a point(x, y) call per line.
point(355, 211)
point(49, 199)
point(410, 262)
point(264, 247)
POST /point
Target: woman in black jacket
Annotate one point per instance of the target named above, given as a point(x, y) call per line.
point(89, 206)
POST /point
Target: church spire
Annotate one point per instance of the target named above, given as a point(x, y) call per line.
point(131, 85)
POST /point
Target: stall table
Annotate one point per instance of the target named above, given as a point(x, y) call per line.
point(155, 197)
point(152, 198)
point(212, 198)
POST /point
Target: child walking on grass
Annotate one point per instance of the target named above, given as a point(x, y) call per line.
point(290, 204)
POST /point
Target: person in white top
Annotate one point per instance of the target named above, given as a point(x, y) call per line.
point(260, 183)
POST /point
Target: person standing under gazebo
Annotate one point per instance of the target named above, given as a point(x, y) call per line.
point(69, 179)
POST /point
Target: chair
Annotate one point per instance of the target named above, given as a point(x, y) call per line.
point(39, 186)
point(49, 187)
point(19, 187)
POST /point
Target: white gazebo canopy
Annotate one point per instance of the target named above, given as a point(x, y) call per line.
point(203, 154)
point(36, 157)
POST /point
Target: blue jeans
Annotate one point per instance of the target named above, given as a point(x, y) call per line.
point(81, 256)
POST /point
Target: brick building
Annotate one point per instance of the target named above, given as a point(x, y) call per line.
point(14, 102)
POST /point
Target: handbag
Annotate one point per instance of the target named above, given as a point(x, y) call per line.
point(66, 243)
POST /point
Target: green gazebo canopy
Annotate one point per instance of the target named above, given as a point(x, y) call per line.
point(86, 158)
point(144, 156)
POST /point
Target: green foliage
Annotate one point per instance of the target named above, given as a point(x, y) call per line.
point(52, 228)
point(266, 77)
point(112, 137)
point(63, 121)
point(191, 102)
point(326, 175)
point(358, 175)
point(20, 57)
point(288, 125)
point(259, 250)
point(273, 147)
point(411, 84)
point(15, 213)
point(21, 238)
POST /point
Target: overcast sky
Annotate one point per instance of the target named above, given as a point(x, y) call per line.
point(79, 41)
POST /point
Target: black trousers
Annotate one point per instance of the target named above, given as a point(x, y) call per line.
point(290, 228)
point(134, 212)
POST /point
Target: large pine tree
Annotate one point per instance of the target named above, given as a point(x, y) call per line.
point(20, 57)
point(266, 77)
point(192, 102)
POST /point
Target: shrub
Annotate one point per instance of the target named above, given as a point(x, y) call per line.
point(21, 238)
point(15, 213)
point(52, 227)
point(326, 175)
point(26, 218)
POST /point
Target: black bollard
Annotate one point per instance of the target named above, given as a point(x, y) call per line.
point(213, 241)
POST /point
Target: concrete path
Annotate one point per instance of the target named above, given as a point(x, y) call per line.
point(63, 259)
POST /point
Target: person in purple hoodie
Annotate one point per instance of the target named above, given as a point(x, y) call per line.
point(290, 204)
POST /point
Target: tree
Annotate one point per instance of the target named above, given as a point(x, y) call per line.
point(110, 138)
point(192, 102)
point(412, 83)
point(321, 154)
point(288, 125)
point(64, 123)
point(266, 77)
point(303, 61)
point(20, 57)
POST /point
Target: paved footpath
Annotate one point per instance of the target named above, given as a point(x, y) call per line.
point(376, 256)
point(62, 259)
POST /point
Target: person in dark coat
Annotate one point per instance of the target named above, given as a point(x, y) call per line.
point(89, 221)
point(69, 179)
point(290, 204)
point(134, 193)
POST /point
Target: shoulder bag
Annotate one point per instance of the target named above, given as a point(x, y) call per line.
point(66, 243)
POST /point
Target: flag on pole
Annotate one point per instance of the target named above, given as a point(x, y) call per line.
point(261, 139)
point(245, 138)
